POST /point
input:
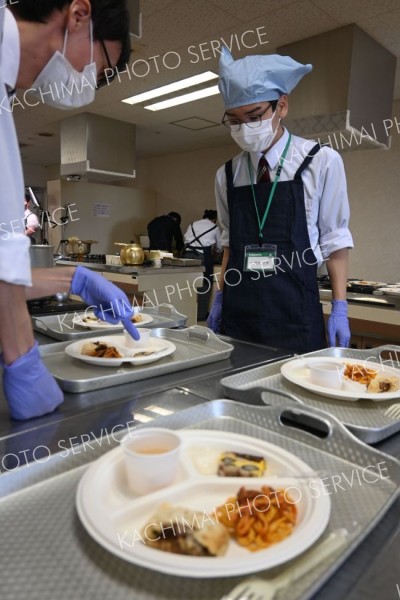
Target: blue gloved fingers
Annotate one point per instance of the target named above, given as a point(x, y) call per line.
point(131, 329)
point(109, 302)
point(338, 327)
point(214, 318)
point(30, 389)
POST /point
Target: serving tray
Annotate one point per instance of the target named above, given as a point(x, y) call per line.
point(368, 420)
point(62, 327)
point(195, 346)
point(62, 561)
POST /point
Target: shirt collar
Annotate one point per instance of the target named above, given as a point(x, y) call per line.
point(274, 153)
point(10, 51)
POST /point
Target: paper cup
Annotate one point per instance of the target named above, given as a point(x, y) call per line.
point(151, 459)
point(143, 342)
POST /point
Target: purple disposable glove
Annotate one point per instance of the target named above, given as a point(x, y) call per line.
point(338, 325)
point(214, 318)
point(109, 302)
point(30, 389)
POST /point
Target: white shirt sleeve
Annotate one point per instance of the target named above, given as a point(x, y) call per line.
point(222, 205)
point(14, 244)
point(334, 210)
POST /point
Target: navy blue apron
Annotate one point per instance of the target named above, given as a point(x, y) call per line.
point(281, 307)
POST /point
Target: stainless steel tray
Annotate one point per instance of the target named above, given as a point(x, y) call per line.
point(61, 327)
point(47, 553)
point(367, 420)
point(195, 346)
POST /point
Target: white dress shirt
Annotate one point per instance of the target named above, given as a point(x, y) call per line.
point(14, 244)
point(208, 239)
point(325, 191)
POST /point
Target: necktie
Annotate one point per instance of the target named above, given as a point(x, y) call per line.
point(263, 172)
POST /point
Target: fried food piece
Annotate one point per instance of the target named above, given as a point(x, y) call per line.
point(234, 464)
point(100, 350)
point(138, 318)
point(382, 384)
point(185, 531)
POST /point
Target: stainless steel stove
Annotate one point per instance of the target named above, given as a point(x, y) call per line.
point(49, 305)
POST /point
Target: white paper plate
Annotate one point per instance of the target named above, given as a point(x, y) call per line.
point(78, 320)
point(393, 291)
point(113, 516)
point(161, 347)
point(297, 372)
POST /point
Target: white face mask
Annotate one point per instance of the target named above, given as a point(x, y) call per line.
point(62, 86)
point(258, 139)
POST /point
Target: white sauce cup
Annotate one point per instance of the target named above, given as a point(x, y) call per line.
point(151, 458)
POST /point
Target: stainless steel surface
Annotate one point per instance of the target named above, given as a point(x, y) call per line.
point(195, 346)
point(377, 299)
point(97, 148)
point(367, 420)
point(62, 328)
point(132, 270)
point(62, 561)
point(41, 256)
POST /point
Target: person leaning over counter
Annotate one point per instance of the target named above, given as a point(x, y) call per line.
point(31, 221)
point(164, 230)
point(283, 207)
point(45, 45)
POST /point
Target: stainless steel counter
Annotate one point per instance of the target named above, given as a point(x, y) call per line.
point(372, 570)
point(131, 269)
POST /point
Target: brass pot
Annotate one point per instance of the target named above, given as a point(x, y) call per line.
point(75, 246)
point(131, 254)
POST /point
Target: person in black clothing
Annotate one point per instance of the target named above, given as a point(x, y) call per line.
point(163, 230)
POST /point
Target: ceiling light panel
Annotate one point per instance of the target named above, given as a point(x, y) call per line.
point(205, 93)
point(172, 87)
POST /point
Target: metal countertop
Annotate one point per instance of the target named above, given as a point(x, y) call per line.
point(372, 570)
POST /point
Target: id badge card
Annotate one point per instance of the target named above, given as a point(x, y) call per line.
point(260, 258)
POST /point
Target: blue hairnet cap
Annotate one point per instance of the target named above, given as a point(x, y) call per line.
point(257, 78)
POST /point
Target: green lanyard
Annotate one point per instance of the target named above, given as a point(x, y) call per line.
point(272, 192)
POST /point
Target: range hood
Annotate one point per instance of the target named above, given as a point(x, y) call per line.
point(346, 101)
point(97, 148)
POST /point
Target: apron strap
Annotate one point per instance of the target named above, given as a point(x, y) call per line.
point(307, 160)
point(229, 175)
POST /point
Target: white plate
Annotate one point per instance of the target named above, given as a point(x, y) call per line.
point(394, 291)
point(298, 372)
point(77, 320)
point(114, 517)
point(161, 347)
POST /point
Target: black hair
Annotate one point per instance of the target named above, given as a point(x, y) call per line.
point(273, 103)
point(210, 214)
point(110, 19)
point(176, 216)
point(27, 197)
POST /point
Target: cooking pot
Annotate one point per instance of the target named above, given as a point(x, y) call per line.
point(79, 247)
point(131, 254)
point(41, 256)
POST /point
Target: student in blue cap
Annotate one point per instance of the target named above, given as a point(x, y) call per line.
point(283, 207)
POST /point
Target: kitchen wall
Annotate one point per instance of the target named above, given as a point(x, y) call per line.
point(104, 213)
point(185, 183)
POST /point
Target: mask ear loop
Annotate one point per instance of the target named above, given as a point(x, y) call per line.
point(91, 41)
point(65, 40)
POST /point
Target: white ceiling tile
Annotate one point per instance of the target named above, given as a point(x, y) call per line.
point(345, 11)
point(148, 7)
point(250, 9)
point(385, 29)
point(183, 23)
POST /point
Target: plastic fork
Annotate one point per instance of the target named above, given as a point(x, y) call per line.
point(393, 412)
point(266, 589)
